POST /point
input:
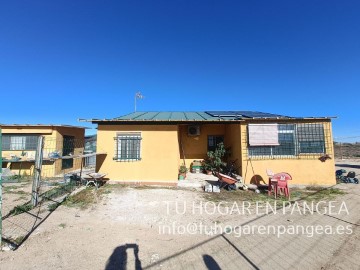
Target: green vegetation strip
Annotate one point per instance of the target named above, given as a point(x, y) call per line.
point(297, 194)
point(58, 191)
point(85, 198)
point(20, 209)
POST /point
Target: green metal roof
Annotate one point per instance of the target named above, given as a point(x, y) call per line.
point(194, 116)
point(201, 116)
point(166, 116)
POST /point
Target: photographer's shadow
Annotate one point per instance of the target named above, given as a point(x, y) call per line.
point(210, 263)
point(119, 259)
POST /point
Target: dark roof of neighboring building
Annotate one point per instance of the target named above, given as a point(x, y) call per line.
point(201, 116)
point(40, 125)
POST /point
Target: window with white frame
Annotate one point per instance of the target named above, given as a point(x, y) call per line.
point(19, 142)
point(292, 140)
point(128, 146)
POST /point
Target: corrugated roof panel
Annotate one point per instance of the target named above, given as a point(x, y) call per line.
point(162, 116)
point(177, 116)
point(196, 116)
point(148, 116)
point(206, 116)
point(129, 116)
point(193, 116)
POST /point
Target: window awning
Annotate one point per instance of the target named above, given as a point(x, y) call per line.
point(263, 134)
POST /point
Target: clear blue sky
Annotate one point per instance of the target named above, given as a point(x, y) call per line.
point(64, 60)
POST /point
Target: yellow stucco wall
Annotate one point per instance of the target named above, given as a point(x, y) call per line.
point(233, 142)
point(195, 147)
point(52, 142)
point(159, 154)
point(79, 142)
point(304, 170)
point(26, 130)
point(27, 168)
point(163, 148)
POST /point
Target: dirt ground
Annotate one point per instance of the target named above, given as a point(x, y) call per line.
point(349, 165)
point(130, 228)
point(347, 150)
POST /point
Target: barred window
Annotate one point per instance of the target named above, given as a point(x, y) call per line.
point(285, 147)
point(128, 146)
point(311, 138)
point(19, 142)
point(294, 140)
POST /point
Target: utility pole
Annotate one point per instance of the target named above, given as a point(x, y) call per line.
point(138, 95)
point(341, 152)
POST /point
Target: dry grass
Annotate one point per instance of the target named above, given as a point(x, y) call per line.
point(308, 194)
point(90, 196)
point(85, 198)
point(348, 150)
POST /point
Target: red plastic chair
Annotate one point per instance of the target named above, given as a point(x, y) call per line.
point(282, 185)
point(272, 186)
point(278, 183)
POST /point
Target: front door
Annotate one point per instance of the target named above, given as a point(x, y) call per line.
point(213, 141)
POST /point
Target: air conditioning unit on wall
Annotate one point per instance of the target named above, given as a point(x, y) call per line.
point(193, 130)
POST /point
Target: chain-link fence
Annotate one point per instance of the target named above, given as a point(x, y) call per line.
point(37, 176)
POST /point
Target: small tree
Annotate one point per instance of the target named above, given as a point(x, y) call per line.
point(215, 159)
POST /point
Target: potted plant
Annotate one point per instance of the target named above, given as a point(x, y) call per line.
point(215, 159)
point(182, 172)
point(207, 166)
point(196, 166)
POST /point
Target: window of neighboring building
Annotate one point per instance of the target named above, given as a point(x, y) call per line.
point(293, 140)
point(128, 146)
point(68, 149)
point(19, 142)
point(213, 141)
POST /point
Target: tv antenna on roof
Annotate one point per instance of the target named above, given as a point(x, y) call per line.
point(138, 95)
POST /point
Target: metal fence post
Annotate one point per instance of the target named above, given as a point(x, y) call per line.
point(37, 173)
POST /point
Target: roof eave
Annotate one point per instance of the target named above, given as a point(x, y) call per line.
point(218, 120)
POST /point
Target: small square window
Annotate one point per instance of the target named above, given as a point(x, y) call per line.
point(127, 146)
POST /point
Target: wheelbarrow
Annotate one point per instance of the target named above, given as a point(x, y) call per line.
point(227, 181)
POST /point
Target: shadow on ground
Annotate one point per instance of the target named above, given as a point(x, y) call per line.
point(210, 263)
point(119, 259)
point(348, 166)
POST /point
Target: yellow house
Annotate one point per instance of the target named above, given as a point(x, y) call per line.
point(150, 146)
point(19, 144)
